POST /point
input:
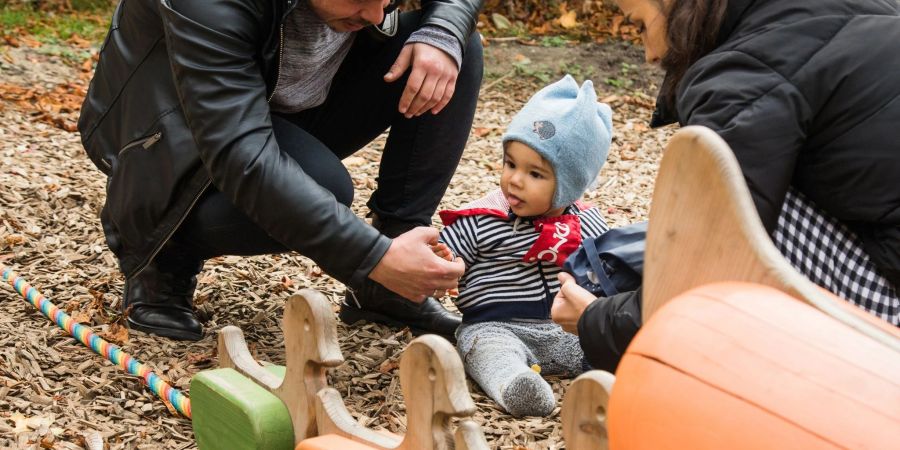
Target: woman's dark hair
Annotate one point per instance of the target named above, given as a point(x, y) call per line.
point(692, 31)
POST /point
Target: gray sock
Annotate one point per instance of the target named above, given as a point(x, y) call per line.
point(528, 394)
point(498, 361)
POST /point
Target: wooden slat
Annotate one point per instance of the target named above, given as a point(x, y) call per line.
point(704, 228)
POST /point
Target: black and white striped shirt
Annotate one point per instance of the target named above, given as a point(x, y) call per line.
point(498, 284)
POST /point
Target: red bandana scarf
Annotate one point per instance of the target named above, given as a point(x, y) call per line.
point(560, 236)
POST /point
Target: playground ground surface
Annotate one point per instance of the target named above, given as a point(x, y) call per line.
point(54, 392)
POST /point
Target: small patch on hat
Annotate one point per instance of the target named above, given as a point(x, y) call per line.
point(544, 129)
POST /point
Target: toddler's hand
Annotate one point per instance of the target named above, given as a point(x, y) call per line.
point(442, 250)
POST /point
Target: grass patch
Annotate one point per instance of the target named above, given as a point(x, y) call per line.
point(54, 28)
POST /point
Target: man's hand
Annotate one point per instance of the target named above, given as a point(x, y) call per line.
point(569, 303)
point(431, 83)
point(411, 269)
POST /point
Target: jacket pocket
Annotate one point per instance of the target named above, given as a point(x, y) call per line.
point(145, 142)
point(147, 181)
point(141, 143)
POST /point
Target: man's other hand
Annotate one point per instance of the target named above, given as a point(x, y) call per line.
point(431, 83)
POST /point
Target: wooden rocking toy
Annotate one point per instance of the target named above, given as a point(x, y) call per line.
point(431, 376)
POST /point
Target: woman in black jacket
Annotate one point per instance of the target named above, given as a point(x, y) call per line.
point(807, 95)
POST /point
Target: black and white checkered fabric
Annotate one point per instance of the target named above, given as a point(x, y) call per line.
point(829, 254)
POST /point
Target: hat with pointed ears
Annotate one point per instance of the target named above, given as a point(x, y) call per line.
point(566, 125)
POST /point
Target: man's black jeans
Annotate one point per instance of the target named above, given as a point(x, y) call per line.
point(419, 158)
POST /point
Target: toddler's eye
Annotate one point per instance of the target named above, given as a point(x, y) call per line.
point(509, 164)
point(537, 175)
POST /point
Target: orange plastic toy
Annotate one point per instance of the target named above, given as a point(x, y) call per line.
point(743, 366)
point(331, 442)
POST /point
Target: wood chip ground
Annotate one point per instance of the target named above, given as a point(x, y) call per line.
point(56, 393)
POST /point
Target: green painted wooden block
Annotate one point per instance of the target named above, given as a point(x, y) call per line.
point(230, 411)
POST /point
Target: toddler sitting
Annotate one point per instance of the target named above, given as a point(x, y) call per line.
point(514, 242)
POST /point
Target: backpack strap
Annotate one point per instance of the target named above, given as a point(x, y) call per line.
point(609, 288)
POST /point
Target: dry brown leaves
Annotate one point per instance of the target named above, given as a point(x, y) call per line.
point(578, 19)
point(57, 104)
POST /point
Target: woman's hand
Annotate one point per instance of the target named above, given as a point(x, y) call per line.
point(570, 302)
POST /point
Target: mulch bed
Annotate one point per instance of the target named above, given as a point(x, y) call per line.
point(55, 393)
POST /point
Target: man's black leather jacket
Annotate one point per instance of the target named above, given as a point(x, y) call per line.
point(179, 101)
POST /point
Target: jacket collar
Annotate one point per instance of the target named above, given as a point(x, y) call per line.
point(734, 11)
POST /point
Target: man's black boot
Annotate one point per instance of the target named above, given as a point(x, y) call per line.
point(375, 303)
point(159, 300)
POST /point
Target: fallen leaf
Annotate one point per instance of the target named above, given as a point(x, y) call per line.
point(13, 239)
point(501, 22)
point(78, 41)
point(616, 23)
point(92, 440)
point(25, 423)
point(388, 366)
point(354, 161)
point(33, 43)
point(19, 420)
point(47, 441)
point(481, 131)
point(81, 317)
point(568, 20)
point(116, 334)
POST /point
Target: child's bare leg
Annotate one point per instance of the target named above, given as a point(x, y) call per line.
point(500, 363)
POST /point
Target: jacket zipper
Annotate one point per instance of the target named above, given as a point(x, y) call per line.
point(152, 140)
point(174, 229)
point(280, 58)
point(546, 286)
point(146, 142)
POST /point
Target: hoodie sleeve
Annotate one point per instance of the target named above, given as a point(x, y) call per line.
point(606, 328)
point(458, 17)
point(759, 113)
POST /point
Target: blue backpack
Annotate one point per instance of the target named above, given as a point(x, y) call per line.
point(612, 262)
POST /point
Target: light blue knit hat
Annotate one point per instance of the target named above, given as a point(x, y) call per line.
point(568, 127)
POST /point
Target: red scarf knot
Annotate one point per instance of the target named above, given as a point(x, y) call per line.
point(560, 236)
